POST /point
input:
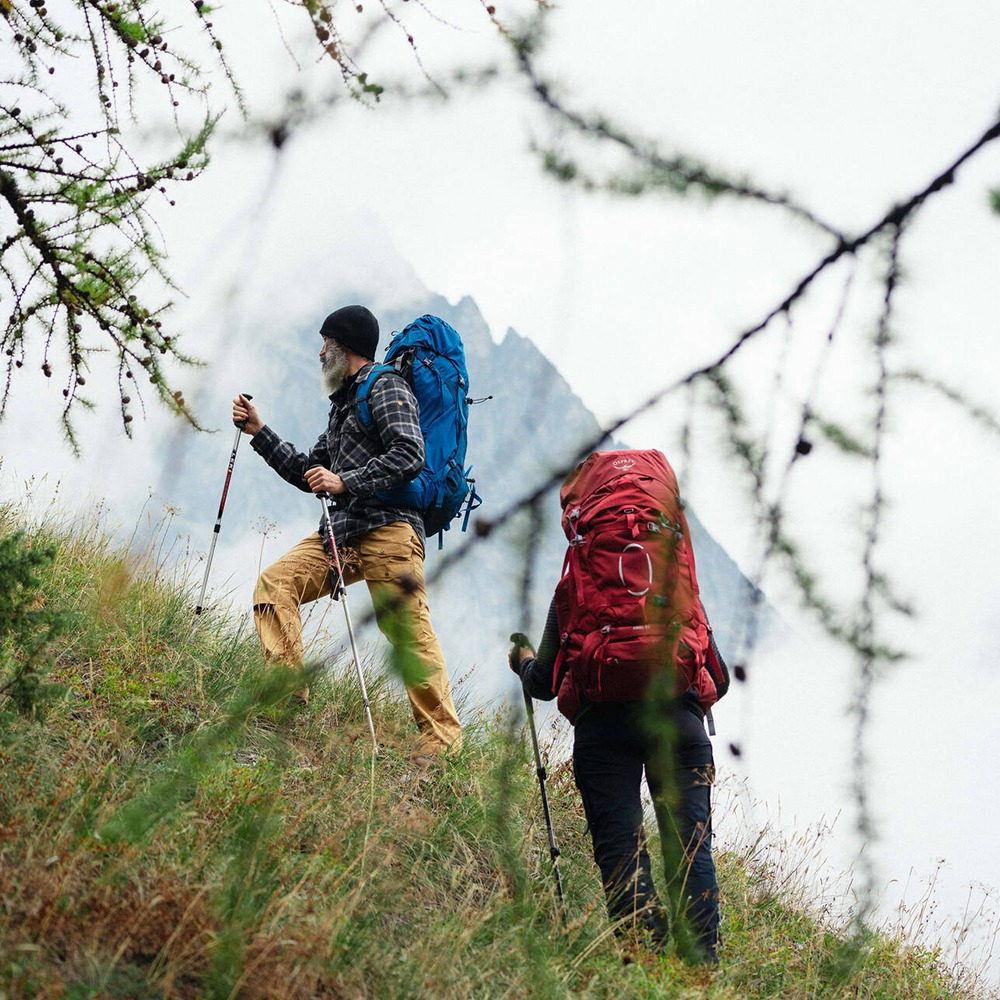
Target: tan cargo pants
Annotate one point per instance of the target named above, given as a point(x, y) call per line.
point(390, 559)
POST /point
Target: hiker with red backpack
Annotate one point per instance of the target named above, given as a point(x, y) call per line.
point(375, 538)
point(627, 651)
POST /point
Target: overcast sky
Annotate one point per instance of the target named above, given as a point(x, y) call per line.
point(848, 108)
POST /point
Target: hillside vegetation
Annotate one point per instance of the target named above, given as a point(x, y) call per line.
point(174, 824)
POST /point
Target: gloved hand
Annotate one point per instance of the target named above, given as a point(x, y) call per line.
point(520, 650)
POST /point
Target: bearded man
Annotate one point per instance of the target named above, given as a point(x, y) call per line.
point(378, 543)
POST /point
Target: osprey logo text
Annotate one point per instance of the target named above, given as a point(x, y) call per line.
point(623, 464)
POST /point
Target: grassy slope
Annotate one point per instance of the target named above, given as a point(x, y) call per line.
point(176, 826)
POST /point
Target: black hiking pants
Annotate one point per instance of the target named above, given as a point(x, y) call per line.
point(614, 744)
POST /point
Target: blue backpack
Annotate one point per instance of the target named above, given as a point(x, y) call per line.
point(430, 356)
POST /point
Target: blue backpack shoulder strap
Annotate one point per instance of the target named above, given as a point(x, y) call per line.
point(363, 390)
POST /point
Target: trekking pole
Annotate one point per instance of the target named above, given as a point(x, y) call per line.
point(218, 521)
point(520, 639)
point(338, 591)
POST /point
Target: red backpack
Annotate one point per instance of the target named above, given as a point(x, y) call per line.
point(627, 604)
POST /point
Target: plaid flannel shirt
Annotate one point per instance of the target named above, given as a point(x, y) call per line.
point(383, 456)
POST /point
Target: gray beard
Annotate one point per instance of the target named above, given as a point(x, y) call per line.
point(334, 370)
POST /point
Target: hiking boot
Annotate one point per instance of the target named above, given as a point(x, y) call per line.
point(703, 955)
point(425, 762)
point(423, 768)
point(709, 959)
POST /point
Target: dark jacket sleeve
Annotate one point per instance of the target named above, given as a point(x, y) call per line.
point(290, 463)
point(536, 672)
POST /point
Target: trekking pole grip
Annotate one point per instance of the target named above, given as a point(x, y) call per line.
point(520, 641)
point(242, 423)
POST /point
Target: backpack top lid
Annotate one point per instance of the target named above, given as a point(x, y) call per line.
point(432, 334)
point(602, 472)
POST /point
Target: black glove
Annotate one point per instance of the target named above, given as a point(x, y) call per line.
point(519, 641)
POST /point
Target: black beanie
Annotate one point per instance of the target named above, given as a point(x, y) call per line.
point(355, 327)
